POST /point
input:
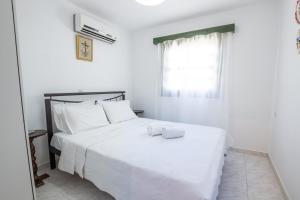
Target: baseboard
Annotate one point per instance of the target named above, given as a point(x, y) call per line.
point(275, 169)
point(251, 152)
point(47, 164)
point(44, 166)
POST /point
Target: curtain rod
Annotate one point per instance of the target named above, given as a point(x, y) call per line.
point(206, 31)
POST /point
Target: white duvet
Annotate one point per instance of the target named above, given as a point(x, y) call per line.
point(124, 161)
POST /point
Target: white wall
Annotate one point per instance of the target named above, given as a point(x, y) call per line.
point(254, 50)
point(285, 142)
point(48, 58)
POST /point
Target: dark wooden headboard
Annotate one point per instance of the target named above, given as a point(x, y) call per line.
point(119, 95)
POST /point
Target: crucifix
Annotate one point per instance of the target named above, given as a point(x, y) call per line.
point(85, 46)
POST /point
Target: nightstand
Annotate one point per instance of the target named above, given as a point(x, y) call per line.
point(38, 180)
point(139, 112)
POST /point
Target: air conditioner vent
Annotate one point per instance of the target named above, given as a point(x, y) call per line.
point(96, 35)
point(91, 28)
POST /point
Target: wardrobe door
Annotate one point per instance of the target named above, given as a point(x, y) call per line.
point(15, 173)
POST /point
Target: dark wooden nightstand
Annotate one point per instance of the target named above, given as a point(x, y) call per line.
point(139, 112)
point(38, 180)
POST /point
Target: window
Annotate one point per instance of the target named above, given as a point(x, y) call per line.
point(191, 66)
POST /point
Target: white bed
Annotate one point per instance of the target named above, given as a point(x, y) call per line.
point(124, 161)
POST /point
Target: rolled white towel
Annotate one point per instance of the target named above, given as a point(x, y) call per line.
point(170, 133)
point(155, 129)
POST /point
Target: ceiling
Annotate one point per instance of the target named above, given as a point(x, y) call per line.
point(134, 16)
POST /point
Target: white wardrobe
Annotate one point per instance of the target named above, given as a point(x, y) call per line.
point(15, 173)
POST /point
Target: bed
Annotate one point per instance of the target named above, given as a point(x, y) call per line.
point(123, 160)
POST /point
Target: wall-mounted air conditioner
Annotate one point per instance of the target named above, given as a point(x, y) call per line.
point(92, 28)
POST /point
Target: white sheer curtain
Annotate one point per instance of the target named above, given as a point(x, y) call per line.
point(194, 83)
point(190, 67)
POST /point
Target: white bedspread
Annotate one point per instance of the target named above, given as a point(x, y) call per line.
point(124, 161)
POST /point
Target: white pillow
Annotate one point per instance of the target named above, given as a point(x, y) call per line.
point(118, 111)
point(83, 117)
point(58, 117)
point(57, 111)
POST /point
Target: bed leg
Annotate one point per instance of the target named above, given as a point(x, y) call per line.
point(52, 160)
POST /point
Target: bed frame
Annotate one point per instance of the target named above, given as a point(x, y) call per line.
point(120, 95)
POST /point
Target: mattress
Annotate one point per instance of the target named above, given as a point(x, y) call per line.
point(58, 138)
point(124, 161)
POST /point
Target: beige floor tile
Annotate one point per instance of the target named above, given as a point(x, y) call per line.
point(261, 180)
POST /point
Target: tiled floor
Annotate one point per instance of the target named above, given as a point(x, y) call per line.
point(245, 177)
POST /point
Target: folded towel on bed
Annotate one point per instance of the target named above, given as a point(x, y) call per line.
point(170, 133)
point(155, 129)
point(167, 132)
